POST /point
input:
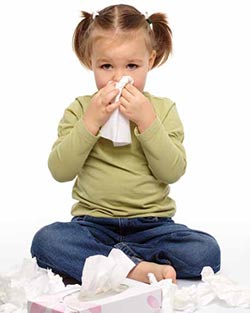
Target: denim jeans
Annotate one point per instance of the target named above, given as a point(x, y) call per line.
point(64, 246)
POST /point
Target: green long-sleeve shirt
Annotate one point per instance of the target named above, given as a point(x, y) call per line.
point(127, 181)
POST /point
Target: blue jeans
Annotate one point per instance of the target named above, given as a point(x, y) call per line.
point(64, 247)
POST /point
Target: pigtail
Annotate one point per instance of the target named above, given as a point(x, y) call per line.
point(162, 37)
point(80, 37)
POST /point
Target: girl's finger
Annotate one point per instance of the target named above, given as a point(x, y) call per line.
point(110, 96)
point(111, 107)
point(131, 89)
point(110, 86)
point(127, 95)
point(123, 102)
point(107, 93)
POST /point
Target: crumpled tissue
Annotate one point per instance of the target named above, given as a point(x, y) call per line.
point(30, 281)
point(117, 127)
point(212, 288)
point(101, 274)
point(168, 292)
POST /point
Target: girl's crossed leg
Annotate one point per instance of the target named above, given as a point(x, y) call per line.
point(156, 245)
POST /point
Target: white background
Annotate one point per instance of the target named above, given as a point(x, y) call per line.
point(207, 76)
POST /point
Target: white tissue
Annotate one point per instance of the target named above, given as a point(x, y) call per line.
point(213, 287)
point(107, 273)
point(190, 299)
point(101, 274)
point(225, 289)
point(168, 292)
point(117, 128)
point(29, 282)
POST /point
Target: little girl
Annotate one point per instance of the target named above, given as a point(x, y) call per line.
point(122, 192)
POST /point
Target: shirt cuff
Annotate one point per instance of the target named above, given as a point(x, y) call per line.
point(150, 132)
point(84, 133)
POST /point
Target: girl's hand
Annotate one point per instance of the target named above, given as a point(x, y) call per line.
point(100, 108)
point(136, 107)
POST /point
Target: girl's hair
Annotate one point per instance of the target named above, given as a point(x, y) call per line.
point(124, 18)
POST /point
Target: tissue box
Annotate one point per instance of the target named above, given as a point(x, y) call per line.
point(137, 298)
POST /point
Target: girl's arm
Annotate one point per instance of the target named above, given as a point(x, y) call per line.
point(77, 132)
point(73, 145)
point(162, 145)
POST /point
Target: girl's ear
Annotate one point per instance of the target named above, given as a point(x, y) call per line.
point(151, 59)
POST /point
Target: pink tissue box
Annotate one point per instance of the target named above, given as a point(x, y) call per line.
point(137, 298)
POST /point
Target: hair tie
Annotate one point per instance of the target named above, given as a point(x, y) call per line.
point(94, 15)
point(149, 21)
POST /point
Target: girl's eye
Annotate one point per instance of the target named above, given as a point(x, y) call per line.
point(132, 66)
point(106, 66)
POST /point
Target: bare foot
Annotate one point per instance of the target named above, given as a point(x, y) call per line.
point(161, 271)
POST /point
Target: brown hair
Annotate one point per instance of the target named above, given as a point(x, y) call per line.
point(125, 18)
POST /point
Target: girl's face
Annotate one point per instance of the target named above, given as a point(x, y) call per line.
point(116, 54)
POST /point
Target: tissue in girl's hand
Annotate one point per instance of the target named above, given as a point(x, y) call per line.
point(122, 83)
point(117, 128)
point(101, 273)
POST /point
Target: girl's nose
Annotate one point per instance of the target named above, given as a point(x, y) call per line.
point(118, 75)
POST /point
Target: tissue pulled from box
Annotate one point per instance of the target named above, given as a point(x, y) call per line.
point(101, 274)
point(117, 127)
